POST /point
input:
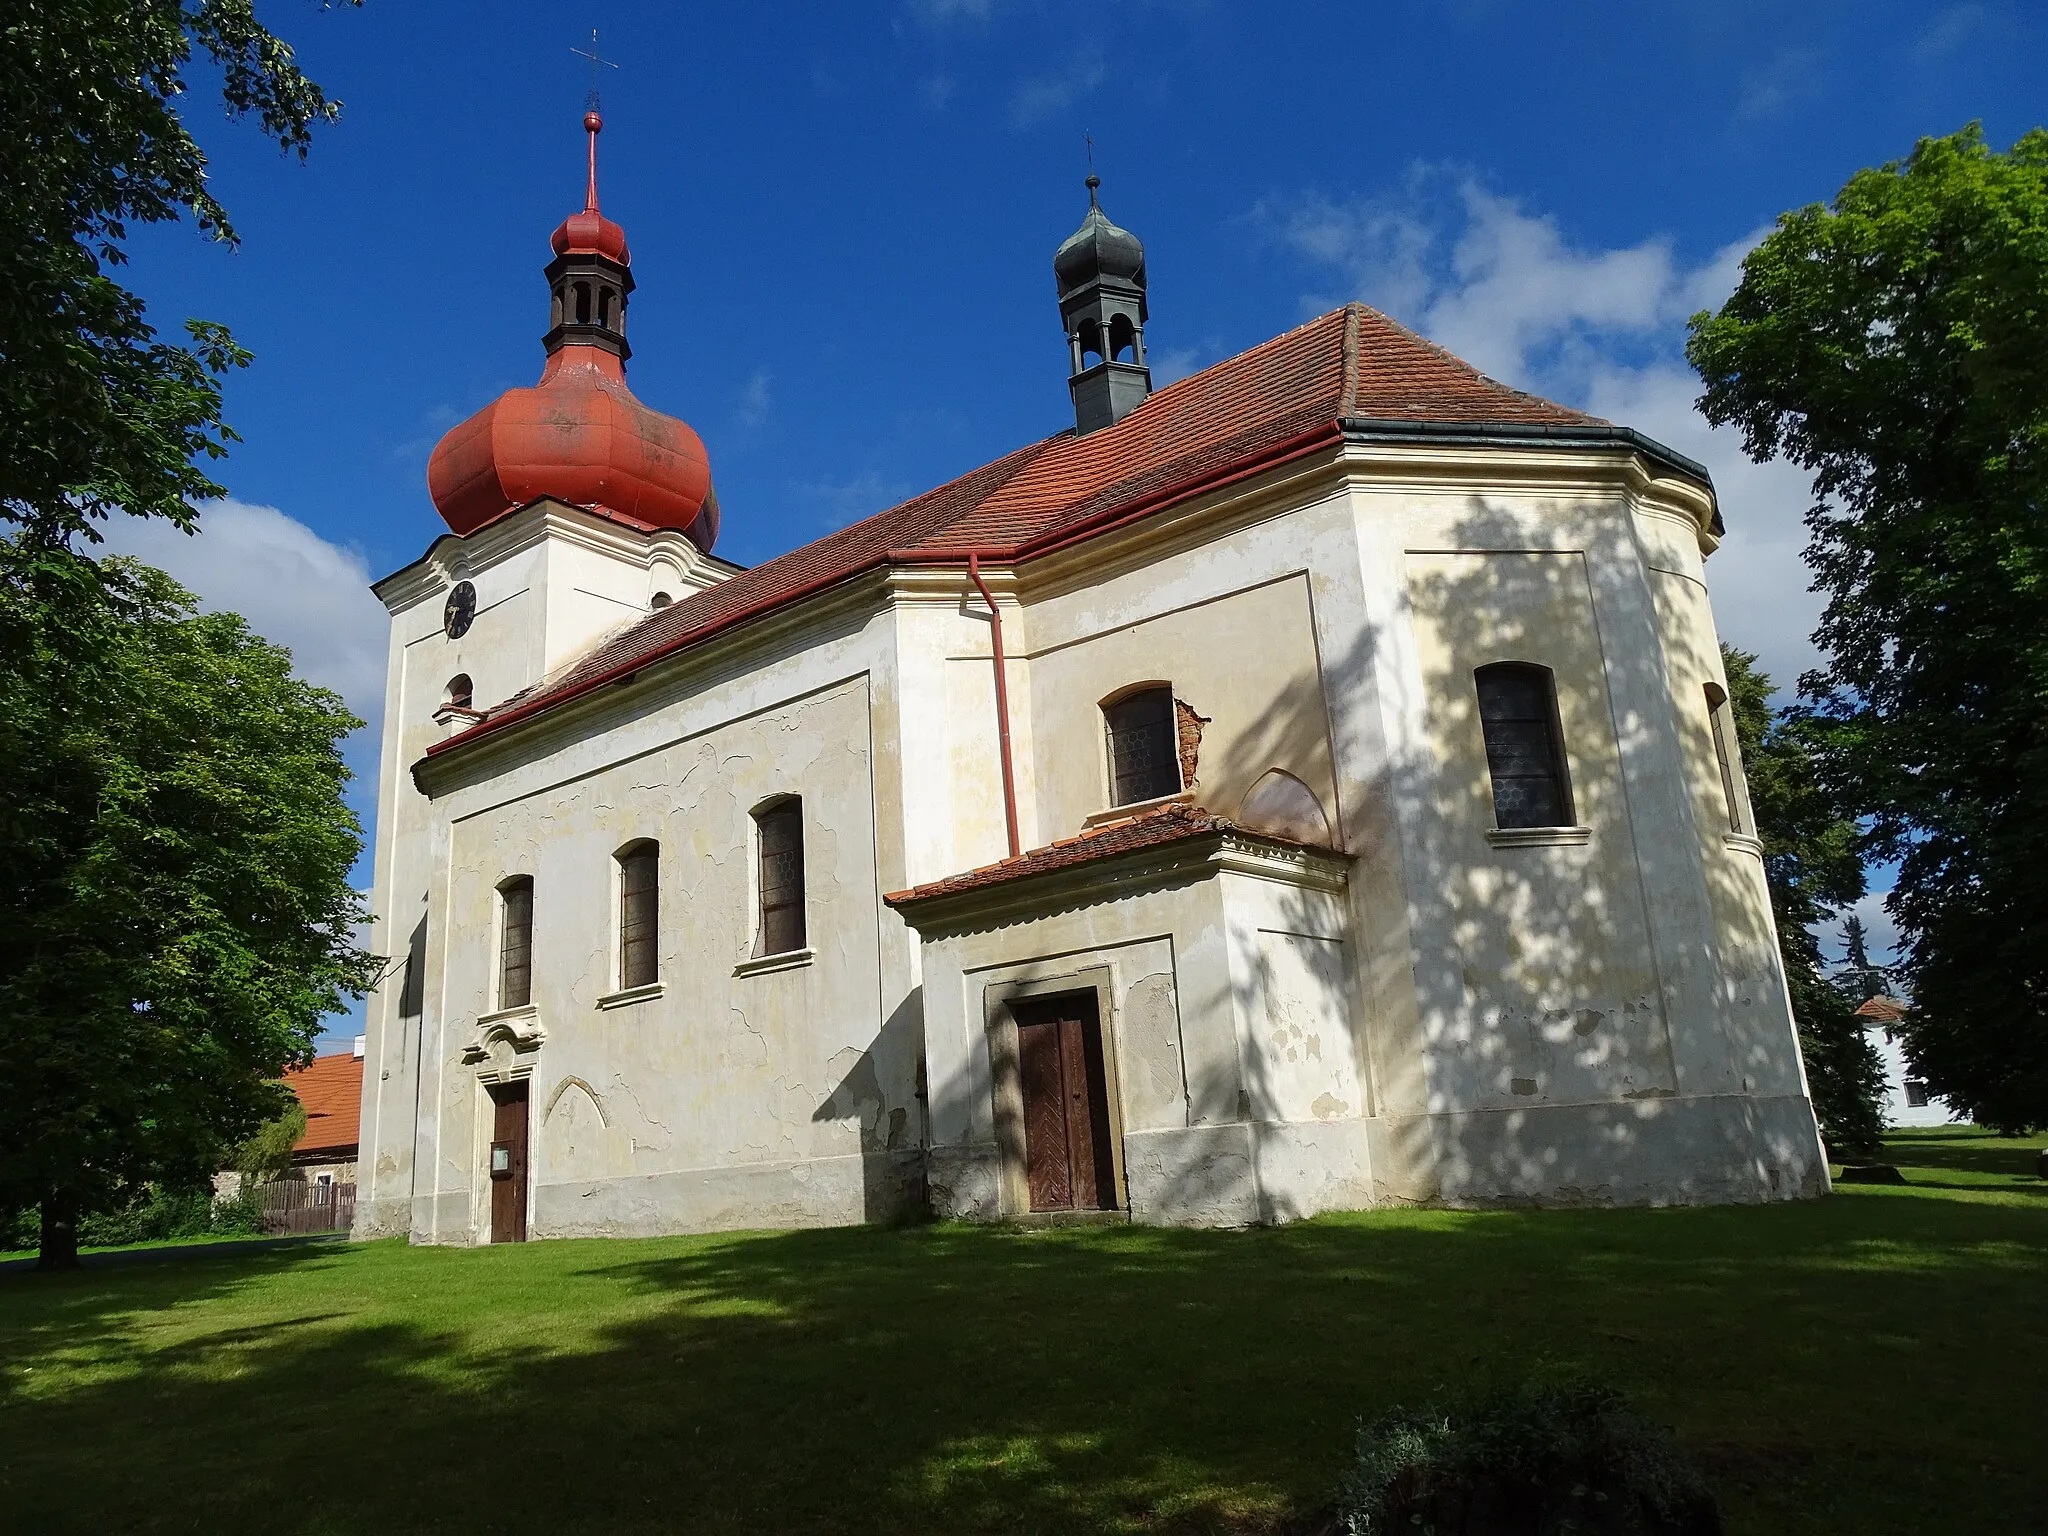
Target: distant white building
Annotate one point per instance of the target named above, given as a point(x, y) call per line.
point(1906, 1099)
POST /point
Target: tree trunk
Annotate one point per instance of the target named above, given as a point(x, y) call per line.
point(60, 1231)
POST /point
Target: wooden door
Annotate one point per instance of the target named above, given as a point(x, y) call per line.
point(508, 1163)
point(1067, 1152)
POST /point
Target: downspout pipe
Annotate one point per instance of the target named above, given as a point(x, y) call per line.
point(995, 616)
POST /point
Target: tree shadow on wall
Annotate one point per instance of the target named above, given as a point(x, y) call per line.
point(892, 1135)
point(1613, 973)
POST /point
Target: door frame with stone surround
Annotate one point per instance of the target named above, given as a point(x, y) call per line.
point(1006, 1083)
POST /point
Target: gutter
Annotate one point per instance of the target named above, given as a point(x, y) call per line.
point(1526, 434)
point(995, 617)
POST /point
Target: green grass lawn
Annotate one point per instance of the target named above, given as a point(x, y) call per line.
point(1866, 1364)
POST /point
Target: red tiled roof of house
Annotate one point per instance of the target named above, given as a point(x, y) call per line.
point(1286, 396)
point(1168, 824)
point(331, 1088)
point(1884, 1010)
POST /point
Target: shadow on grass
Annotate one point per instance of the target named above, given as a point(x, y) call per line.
point(1966, 1149)
point(953, 1379)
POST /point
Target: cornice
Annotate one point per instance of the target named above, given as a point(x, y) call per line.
point(1116, 876)
point(677, 674)
point(451, 557)
point(1202, 519)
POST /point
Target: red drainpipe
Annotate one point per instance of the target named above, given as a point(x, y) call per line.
point(995, 615)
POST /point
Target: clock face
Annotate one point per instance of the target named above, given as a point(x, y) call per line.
point(461, 610)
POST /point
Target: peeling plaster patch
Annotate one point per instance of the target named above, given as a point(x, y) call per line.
point(1587, 1020)
point(1524, 1085)
point(1327, 1107)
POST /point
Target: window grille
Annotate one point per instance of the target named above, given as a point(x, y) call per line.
point(515, 946)
point(780, 835)
point(1144, 747)
point(1524, 746)
point(639, 915)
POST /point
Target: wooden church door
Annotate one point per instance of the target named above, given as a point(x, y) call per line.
point(508, 1163)
point(1067, 1152)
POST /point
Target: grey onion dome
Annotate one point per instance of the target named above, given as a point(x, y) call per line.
point(1098, 249)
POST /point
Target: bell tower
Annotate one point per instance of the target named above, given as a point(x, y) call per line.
point(591, 274)
point(1100, 270)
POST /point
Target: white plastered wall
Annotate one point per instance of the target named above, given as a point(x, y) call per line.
point(1233, 1069)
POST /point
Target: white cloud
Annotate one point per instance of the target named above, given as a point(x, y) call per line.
point(1951, 30)
point(1599, 328)
point(1049, 95)
point(755, 400)
point(294, 588)
point(1788, 76)
point(1173, 363)
point(849, 500)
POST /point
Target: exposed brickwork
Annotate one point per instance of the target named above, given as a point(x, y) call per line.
point(1188, 728)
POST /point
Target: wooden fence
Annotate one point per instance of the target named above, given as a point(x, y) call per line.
point(299, 1205)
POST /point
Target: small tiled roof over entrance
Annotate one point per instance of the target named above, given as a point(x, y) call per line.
point(1168, 824)
point(1260, 408)
point(331, 1088)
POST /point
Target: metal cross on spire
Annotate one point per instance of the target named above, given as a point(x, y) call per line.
point(1094, 180)
point(596, 59)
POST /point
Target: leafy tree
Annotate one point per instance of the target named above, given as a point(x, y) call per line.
point(175, 910)
point(98, 414)
point(268, 1154)
point(1895, 343)
point(1813, 866)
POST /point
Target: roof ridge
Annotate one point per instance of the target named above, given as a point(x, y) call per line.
point(1347, 397)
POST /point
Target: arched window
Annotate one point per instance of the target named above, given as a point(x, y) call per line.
point(1144, 749)
point(515, 942)
point(582, 303)
point(460, 691)
point(604, 305)
point(639, 915)
point(659, 600)
point(779, 834)
point(1722, 725)
point(1524, 745)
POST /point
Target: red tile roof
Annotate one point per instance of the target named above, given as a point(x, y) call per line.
point(1168, 824)
point(1884, 1010)
point(1259, 408)
point(331, 1088)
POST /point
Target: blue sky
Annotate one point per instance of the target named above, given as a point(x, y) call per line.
point(842, 218)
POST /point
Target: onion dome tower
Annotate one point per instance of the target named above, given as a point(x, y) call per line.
point(1101, 275)
point(579, 435)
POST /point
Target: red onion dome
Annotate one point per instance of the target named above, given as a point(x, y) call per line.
point(578, 436)
point(588, 232)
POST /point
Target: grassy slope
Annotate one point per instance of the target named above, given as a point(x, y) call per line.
point(1871, 1363)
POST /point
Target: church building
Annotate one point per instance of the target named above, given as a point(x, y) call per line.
point(1307, 786)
